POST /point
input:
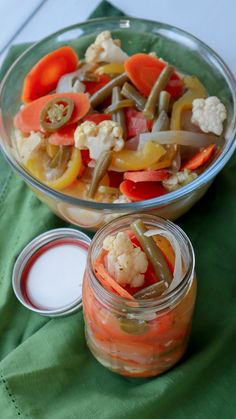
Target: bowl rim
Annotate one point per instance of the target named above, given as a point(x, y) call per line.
point(160, 201)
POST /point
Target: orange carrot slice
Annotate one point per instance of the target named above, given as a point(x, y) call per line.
point(140, 191)
point(64, 136)
point(108, 282)
point(147, 175)
point(28, 118)
point(143, 70)
point(45, 74)
point(97, 117)
point(200, 158)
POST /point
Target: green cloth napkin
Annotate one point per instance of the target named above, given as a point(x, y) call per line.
point(46, 370)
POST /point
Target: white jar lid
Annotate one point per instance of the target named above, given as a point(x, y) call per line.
point(48, 273)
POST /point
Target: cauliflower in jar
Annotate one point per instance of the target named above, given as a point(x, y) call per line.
point(179, 179)
point(126, 263)
point(99, 138)
point(209, 114)
point(105, 49)
point(26, 146)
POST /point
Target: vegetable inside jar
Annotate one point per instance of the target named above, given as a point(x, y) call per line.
point(139, 293)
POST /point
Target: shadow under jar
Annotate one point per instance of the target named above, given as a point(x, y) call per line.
point(139, 338)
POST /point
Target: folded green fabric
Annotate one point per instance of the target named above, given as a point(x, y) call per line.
point(46, 370)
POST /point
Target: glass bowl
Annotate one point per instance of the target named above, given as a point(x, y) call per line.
point(184, 51)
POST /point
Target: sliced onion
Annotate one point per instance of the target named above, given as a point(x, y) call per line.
point(179, 137)
point(162, 123)
point(70, 82)
point(178, 271)
point(176, 163)
point(132, 144)
point(92, 163)
point(78, 87)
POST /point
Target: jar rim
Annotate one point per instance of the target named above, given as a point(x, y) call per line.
point(158, 303)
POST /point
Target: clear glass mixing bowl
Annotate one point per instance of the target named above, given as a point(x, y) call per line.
point(184, 51)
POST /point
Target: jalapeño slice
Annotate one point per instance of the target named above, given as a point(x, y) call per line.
point(56, 113)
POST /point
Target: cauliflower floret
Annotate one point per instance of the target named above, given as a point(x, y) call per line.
point(82, 132)
point(209, 114)
point(27, 145)
point(118, 244)
point(105, 49)
point(179, 179)
point(99, 138)
point(126, 263)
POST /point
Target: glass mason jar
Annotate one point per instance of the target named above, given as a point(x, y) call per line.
point(139, 338)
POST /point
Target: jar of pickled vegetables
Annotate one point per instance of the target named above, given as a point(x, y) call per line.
point(139, 293)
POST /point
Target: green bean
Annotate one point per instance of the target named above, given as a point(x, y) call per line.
point(89, 76)
point(100, 170)
point(160, 84)
point(61, 157)
point(164, 102)
point(119, 115)
point(130, 92)
point(152, 251)
point(116, 106)
point(115, 96)
point(106, 90)
point(153, 291)
point(162, 123)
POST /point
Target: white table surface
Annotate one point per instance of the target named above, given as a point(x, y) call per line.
point(213, 21)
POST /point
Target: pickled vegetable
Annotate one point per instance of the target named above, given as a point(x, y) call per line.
point(162, 123)
point(133, 326)
point(120, 104)
point(56, 113)
point(130, 92)
point(142, 334)
point(60, 158)
point(155, 126)
point(152, 100)
point(195, 90)
point(152, 291)
point(125, 160)
point(118, 115)
point(106, 91)
point(113, 68)
point(164, 102)
point(100, 170)
point(152, 251)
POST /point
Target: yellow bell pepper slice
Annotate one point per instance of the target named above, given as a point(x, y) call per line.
point(74, 167)
point(113, 68)
point(195, 90)
point(137, 160)
point(166, 160)
point(36, 164)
